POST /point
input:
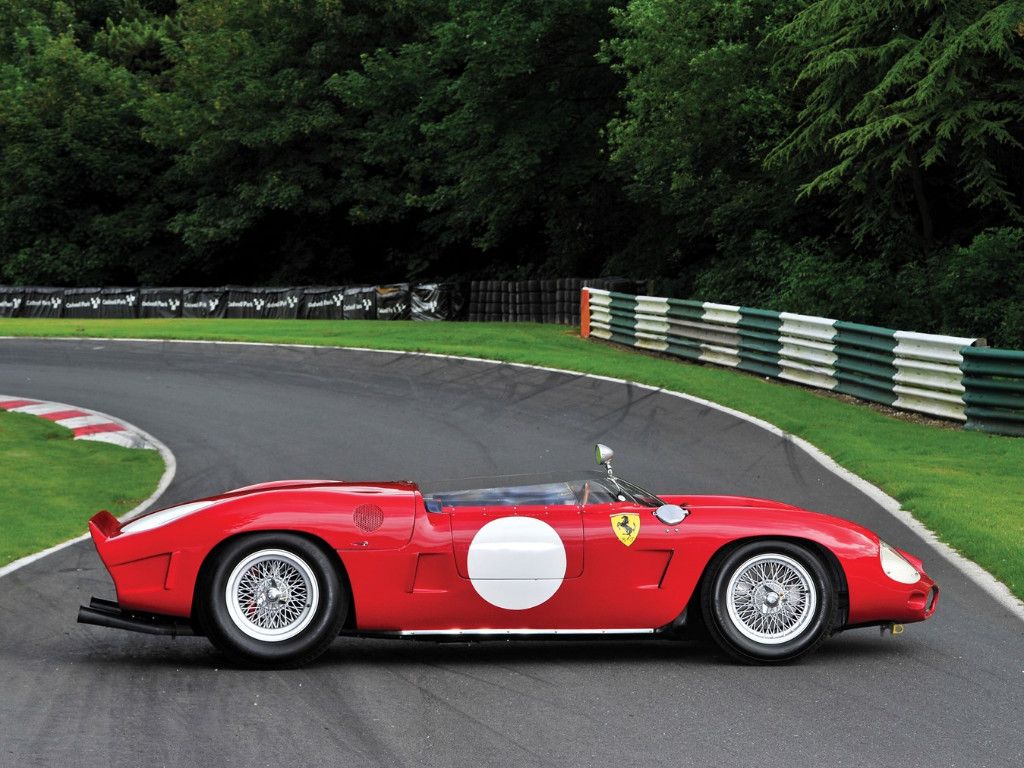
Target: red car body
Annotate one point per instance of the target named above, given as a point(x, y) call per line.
point(407, 567)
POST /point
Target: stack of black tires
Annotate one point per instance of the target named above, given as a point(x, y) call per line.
point(537, 301)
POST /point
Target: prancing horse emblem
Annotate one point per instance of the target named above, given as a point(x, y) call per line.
point(626, 526)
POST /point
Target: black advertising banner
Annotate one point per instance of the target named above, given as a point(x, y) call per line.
point(360, 304)
point(119, 302)
point(42, 302)
point(436, 301)
point(11, 299)
point(245, 302)
point(426, 302)
point(83, 303)
point(258, 303)
point(549, 301)
point(160, 302)
point(323, 303)
point(281, 303)
point(204, 302)
point(393, 302)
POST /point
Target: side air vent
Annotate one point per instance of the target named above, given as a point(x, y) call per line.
point(368, 517)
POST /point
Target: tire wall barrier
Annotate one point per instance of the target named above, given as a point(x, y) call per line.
point(950, 377)
point(537, 301)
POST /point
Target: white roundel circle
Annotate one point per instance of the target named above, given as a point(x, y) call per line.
point(516, 562)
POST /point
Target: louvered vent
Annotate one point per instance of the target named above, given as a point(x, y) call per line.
point(368, 517)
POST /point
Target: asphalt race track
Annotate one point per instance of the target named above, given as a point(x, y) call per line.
point(948, 692)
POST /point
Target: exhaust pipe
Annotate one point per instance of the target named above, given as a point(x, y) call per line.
point(106, 613)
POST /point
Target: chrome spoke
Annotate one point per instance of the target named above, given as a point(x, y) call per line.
point(272, 595)
point(771, 598)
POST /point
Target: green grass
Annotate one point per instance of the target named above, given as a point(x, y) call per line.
point(965, 486)
point(50, 485)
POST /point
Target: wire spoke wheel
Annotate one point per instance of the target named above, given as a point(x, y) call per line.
point(272, 599)
point(771, 598)
point(768, 601)
point(271, 595)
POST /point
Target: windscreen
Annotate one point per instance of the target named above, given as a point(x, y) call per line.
point(546, 494)
point(597, 488)
point(640, 496)
point(607, 490)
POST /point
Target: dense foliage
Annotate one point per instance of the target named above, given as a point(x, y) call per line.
point(841, 157)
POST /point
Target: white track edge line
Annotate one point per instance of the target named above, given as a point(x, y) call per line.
point(974, 572)
point(170, 468)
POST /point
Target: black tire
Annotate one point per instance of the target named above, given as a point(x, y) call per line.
point(303, 570)
point(804, 612)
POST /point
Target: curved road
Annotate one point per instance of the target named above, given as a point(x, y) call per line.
point(949, 692)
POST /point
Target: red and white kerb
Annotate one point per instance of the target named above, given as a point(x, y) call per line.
point(85, 424)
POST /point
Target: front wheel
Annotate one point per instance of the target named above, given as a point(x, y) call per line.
point(273, 600)
point(768, 601)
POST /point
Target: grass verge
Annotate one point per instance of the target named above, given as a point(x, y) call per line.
point(965, 486)
point(52, 483)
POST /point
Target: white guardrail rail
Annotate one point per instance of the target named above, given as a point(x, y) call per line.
point(911, 371)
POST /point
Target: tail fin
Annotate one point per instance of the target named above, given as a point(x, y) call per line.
point(103, 526)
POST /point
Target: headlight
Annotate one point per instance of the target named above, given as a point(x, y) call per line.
point(164, 516)
point(896, 566)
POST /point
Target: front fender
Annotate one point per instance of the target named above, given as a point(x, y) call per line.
point(873, 596)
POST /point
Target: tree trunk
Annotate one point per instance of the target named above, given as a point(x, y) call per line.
point(923, 209)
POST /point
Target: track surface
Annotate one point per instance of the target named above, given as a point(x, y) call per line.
point(949, 692)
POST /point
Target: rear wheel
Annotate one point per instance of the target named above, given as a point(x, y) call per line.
point(273, 600)
point(768, 601)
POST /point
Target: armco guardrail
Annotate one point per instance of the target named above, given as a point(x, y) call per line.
point(912, 371)
point(994, 380)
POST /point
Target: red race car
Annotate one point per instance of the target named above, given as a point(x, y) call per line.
point(272, 573)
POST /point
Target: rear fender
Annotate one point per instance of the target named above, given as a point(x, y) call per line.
point(156, 570)
point(206, 567)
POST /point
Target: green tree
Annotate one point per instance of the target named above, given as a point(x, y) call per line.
point(263, 164)
point(981, 286)
point(488, 128)
point(703, 106)
point(76, 181)
point(913, 111)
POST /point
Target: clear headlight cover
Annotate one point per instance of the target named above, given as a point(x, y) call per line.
point(896, 566)
point(164, 516)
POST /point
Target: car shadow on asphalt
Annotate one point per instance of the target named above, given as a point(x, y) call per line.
point(685, 652)
point(196, 653)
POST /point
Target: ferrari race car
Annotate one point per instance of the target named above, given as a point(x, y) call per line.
point(272, 573)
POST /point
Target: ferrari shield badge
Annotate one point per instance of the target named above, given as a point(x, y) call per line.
point(626, 527)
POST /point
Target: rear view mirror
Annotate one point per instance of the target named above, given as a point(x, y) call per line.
point(604, 456)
